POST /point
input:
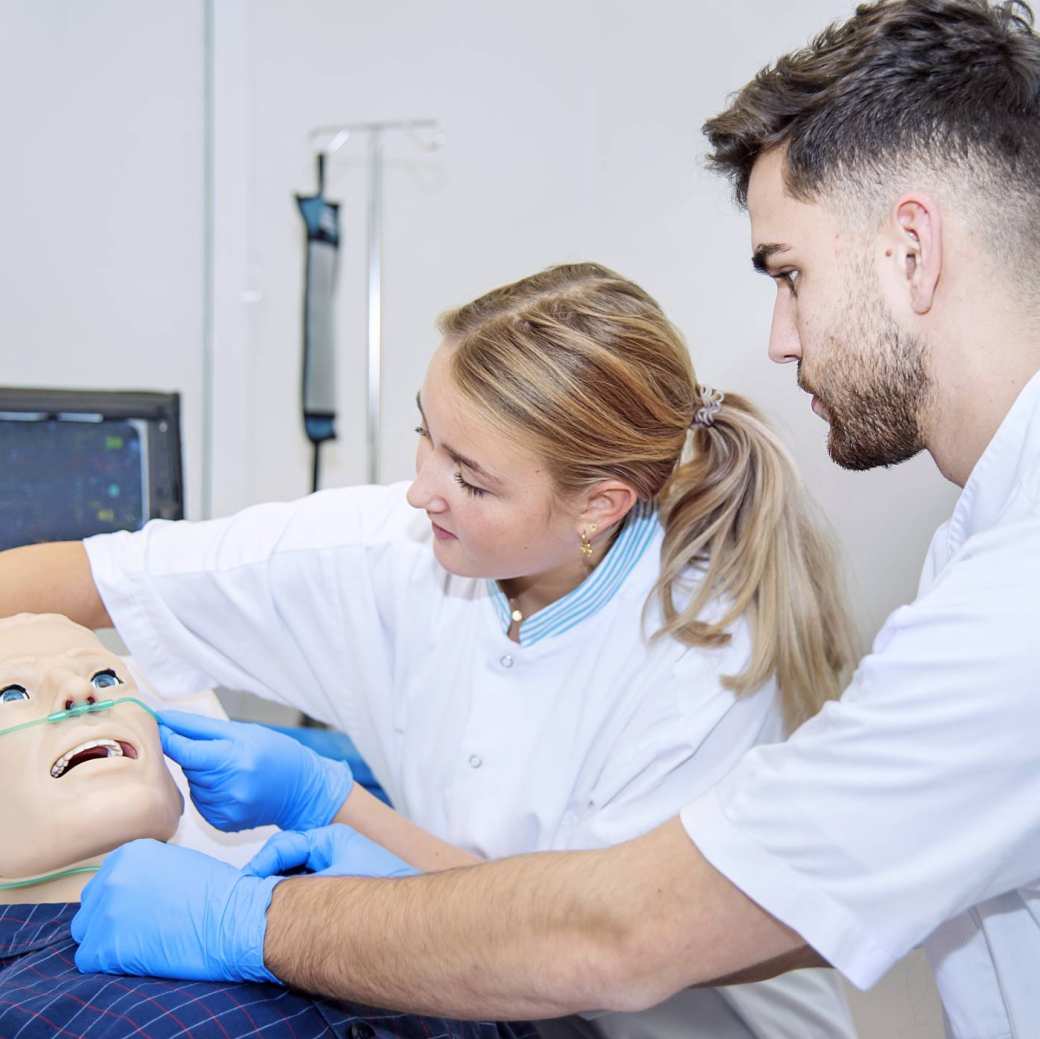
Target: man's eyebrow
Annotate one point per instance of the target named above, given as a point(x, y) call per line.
point(762, 254)
point(475, 467)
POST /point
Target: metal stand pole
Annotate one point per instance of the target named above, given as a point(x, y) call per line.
point(336, 137)
point(375, 302)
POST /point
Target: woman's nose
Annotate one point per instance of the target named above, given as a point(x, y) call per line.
point(422, 494)
point(417, 495)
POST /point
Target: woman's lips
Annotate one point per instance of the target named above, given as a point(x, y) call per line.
point(441, 534)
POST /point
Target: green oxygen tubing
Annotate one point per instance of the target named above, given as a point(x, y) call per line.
point(10, 885)
point(51, 719)
point(75, 712)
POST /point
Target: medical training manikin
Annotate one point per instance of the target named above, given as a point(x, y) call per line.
point(81, 765)
point(82, 772)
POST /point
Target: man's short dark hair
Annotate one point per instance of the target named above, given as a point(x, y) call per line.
point(951, 86)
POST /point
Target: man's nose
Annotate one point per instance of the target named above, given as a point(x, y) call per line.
point(785, 344)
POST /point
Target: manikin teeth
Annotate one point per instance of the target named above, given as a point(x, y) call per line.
point(59, 766)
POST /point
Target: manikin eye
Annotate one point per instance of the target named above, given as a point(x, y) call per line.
point(105, 679)
point(12, 694)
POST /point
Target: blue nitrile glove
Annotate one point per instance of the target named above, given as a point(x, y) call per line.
point(244, 775)
point(330, 851)
point(169, 912)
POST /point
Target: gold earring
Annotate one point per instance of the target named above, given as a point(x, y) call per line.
point(586, 544)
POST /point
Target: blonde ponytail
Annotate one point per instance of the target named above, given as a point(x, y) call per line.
point(584, 366)
point(736, 510)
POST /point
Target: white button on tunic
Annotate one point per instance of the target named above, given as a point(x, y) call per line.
point(336, 605)
point(909, 812)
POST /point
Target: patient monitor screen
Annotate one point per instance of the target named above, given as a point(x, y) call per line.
point(67, 478)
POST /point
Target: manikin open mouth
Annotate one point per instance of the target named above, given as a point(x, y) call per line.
point(92, 750)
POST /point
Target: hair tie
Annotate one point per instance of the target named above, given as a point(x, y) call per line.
point(711, 401)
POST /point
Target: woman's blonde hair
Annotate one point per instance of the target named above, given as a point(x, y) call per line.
point(599, 383)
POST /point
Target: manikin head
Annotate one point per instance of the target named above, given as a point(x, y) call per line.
point(891, 171)
point(74, 789)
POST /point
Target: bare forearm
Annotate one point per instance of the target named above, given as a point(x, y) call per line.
point(51, 578)
point(380, 823)
point(536, 936)
point(447, 943)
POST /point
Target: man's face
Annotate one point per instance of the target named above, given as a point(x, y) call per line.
point(76, 788)
point(868, 377)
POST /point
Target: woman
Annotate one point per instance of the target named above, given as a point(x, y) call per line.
point(602, 587)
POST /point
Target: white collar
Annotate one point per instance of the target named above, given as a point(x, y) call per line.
point(1010, 463)
point(596, 590)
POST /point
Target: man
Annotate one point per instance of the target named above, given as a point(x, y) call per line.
point(79, 783)
point(890, 172)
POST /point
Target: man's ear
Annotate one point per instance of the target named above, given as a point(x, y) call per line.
point(916, 249)
point(606, 504)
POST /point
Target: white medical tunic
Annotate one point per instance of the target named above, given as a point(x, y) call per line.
point(581, 735)
point(909, 812)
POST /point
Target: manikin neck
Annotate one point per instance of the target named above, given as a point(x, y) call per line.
point(63, 889)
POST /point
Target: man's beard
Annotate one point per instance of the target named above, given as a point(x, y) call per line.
point(875, 387)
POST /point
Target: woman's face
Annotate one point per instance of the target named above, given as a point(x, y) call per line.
point(79, 787)
point(490, 501)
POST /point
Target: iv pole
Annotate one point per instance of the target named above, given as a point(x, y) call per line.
point(337, 136)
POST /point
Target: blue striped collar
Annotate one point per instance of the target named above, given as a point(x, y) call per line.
point(595, 591)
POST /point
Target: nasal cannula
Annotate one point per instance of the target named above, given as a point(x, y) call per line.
point(80, 709)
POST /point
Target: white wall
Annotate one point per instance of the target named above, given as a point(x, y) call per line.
point(572, 133)
point(101, 191)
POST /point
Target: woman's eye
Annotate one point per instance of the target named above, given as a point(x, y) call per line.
point(790, 279)
point(105, 679)
point(477, 492)
point(421, 430)
point(13, 693)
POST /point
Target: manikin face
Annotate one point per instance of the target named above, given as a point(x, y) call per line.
point(77, 788)
point(868, 377)
point(491, 503)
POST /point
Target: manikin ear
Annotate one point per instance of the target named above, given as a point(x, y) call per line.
point(604, 505)
point(916, 247)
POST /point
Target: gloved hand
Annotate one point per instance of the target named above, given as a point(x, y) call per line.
point(169, 912)
point(244, 775)
point(330, 851)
